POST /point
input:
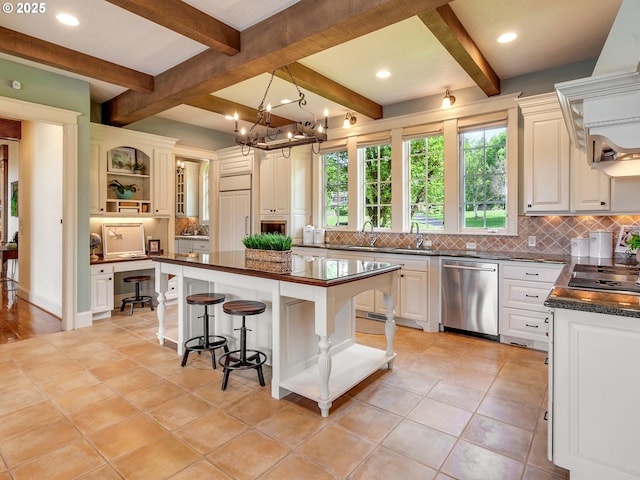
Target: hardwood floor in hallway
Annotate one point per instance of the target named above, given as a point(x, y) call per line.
point(19, 319)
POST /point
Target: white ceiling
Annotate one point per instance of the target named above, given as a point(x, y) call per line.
point(550, 33)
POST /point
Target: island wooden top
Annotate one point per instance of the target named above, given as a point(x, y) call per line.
point(319, 271)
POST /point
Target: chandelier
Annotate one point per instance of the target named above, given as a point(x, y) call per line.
point(263, 136)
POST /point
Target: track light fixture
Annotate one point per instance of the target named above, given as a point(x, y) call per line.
point(349, 120)
point(448, 100)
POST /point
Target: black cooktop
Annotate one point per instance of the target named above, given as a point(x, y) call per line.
point(613, 278)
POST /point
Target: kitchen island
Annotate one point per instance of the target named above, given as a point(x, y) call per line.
point(308, 330)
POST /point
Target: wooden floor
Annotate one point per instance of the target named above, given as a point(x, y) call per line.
point(19, 319)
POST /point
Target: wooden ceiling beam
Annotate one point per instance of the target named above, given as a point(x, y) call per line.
point(10, 129)
point(222, 106)
point(187, 21)
point(301, 30)
point(447, 28)
point(325, 87)
point(24, 46)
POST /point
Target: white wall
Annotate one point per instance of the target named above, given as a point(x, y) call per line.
point(40, 214)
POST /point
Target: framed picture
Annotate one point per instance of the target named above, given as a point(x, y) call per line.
point(121, 159)
point(153, 247)
point(625, 234)
point(14, 199)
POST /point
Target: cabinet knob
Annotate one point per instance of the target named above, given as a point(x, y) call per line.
point(529, 205)
point(603, 203)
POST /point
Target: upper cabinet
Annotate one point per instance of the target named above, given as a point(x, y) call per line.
point(140, 161)
point(285, 188)
point(557, 179)
point(187, 189)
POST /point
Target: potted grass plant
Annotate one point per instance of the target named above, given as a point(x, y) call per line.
point(268, 251)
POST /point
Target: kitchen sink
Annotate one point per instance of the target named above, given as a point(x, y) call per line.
point(414, 251)
point(365, 248)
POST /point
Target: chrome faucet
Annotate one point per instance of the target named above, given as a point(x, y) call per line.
point(419, 239)
point(372, 235)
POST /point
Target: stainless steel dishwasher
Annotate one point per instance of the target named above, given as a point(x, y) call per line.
point(470, 297)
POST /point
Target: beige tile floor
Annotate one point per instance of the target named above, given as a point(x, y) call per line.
point(107, 402)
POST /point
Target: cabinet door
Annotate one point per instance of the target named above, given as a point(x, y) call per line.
point(234, 219)
point(591, 187)
point(275, 184)
point(546, 162)
point(184, 246)
point(97, 177)
point(102, 293)
point(162, 173)
point(413, 295)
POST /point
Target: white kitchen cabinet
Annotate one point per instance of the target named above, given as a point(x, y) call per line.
point(285, 188)
point(187, 190)
point(231, 161)
point(275, 174)
point(547, 154)
point(234, 219)
point(192, 245)
point(365, 301)
point(154, 195)
point(162, 186)
point(524, 287)
point(593, 395)
point(101, 288)
point(97, 177)
point(590, 188)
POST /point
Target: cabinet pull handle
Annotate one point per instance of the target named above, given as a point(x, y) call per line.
point(546, 416)
point(546, 320)
point(530, 296)
point(531, 326)
point(546, 361)
point(532, 274)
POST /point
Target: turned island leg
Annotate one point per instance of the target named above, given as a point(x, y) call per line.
point(162, 312)
point(324, 368)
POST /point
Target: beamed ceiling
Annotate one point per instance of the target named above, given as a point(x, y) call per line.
point(180, 59)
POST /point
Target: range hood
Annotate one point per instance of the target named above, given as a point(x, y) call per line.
point(602, 112)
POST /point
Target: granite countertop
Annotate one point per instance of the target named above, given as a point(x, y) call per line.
point(324, 272)
point(193, 237)
point(433, 252)
point(562, 296)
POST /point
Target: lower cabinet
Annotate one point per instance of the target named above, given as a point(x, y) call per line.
point(101, 289)
point(184, 245)
point(524, 286)
point(593, 395)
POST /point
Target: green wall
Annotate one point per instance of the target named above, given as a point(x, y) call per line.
point(52, 89)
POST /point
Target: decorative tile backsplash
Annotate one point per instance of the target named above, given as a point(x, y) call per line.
point(553, 235)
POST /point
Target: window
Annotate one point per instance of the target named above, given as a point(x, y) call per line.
point(336, 195)
point(426, 181)
point(484, 167)
point(376, 163)
point(204, 189)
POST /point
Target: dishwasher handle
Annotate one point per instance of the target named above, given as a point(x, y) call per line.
point(469, 267)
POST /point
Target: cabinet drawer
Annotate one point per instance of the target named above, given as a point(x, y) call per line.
point(100, 269)
point(200, 246)
point(531, 273)
point(526, 295)
point(524, 324)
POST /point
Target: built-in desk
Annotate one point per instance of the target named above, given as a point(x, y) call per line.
point(103, 273)
point(308, 329)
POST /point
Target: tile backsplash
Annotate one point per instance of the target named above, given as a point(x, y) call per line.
point(553, 235)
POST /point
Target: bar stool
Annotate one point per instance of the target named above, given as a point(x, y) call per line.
point(238, 359)
point(141, 299)
point(204, 342)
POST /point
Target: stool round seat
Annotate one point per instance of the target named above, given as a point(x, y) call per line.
point(205, 342)
point(141, 299)
point(243, 307)
point(243, 358)
point(205, 298)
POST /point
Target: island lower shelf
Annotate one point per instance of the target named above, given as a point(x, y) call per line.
point(348, 368)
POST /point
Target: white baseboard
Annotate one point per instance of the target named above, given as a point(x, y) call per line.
point(84, 319)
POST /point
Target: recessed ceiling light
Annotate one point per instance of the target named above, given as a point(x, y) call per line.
point(68, 19)
point(383, 74)
point(507, 37)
